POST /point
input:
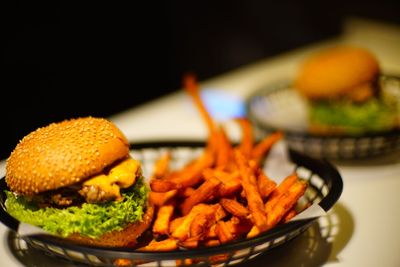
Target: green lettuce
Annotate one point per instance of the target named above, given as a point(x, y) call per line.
point(374, 115)
point(92, 220)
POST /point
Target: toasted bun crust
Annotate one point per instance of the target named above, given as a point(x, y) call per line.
point(336, 71)
point(124, 238)
point(64, 153)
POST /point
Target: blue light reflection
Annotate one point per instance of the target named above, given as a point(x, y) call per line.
point(223, 105)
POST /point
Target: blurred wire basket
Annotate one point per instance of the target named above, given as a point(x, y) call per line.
point(278, 107)
point(325, 188)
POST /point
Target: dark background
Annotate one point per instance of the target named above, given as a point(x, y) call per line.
point(63, 59)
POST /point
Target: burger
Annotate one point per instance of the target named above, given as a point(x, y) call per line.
point(76, 179)
point(341, 86)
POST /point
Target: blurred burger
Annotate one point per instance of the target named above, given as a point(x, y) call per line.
point(341, 85)
point(76, 179)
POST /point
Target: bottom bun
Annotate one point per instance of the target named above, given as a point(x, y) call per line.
point(124, 238)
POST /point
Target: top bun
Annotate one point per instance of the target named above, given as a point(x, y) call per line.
point(336, 71)
point(64, 153)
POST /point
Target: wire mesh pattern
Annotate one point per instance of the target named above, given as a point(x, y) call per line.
point(279, 107)
point(325, 187)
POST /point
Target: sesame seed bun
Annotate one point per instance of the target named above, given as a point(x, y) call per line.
point(336, 72)
point(64, 153)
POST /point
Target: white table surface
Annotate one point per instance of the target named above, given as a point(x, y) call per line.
point(365, 221)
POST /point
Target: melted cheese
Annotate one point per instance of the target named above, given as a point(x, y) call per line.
point(122, 175)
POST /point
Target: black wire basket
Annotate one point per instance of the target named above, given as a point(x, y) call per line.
point(278, 107)
point(325, 188)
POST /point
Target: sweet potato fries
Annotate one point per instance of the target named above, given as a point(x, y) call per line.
point(223, 194)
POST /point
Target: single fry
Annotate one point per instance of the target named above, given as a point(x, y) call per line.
point(182, 231)
point(175, 223)
point(212, 242)
point(286, 202)
point(212, 143)
point(163, 185)
point(220, 213)
point(230, 181)
point(254, 200)
point(160, 198)
point(168, 244)
point(201, 194)
point(234, 207)
point(224, 151)
point(293, 212)
point(262, 148)
point(223, 232)
point(163, 218)
point(161, 166)
point(279, 191)
point(229, 189)
point(289, 215)
point(247, 142)
point(265, 185)
point(189, 243)
point(254, 231)
point(186, 192)
point(192, 88)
